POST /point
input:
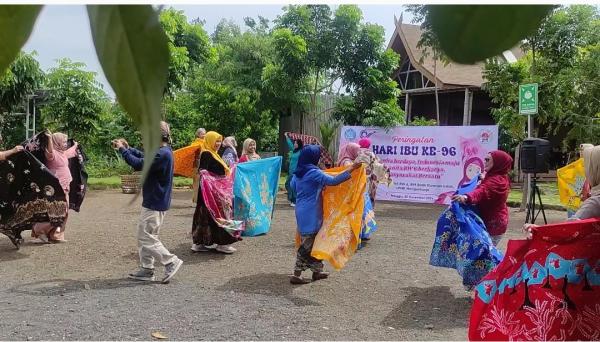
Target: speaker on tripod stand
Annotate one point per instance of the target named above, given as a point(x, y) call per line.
point(535, 154)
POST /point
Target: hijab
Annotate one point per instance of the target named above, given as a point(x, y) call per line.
point(209, 146)
point(348, 152)
point(253, 156)
point(59, 141)
point(308, 160)
point(364, 143)
point(591, 164)
point(230, 142)
point(300, 144)
point(473, 160)
point(502, 163)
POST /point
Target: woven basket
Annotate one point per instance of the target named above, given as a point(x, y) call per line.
point(130, 184)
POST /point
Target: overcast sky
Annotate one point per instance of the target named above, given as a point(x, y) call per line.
point(63, 31)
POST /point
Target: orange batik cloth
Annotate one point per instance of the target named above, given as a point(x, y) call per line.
point(343, 207)
point(185, 158)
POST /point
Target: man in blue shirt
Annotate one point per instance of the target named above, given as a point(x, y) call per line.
point(156, 194)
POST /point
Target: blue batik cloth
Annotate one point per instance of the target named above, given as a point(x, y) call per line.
point(462, 242)
point(255, 188)
point(369, 224)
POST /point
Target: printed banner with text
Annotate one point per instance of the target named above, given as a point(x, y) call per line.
point(427, 163)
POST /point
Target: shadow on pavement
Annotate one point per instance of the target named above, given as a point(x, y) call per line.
point(267, 284)
point(57, 287)
point(433, 308)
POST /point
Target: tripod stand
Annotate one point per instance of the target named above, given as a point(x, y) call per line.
point(531, 214)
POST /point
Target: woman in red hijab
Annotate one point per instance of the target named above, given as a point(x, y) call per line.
point(490, 196)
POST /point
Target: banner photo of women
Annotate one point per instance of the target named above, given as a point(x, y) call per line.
point(427, 163)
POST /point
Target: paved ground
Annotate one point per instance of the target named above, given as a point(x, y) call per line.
point(77, 290)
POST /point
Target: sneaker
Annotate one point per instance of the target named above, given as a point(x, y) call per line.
point(43, 238)
point(143, 274)
point(199, 248)
point(227, 249)
point(171, 269)
point(292, 205)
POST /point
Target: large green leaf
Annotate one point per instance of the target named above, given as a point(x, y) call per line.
point(16, 24)
point(472, 33)
point(132, 49)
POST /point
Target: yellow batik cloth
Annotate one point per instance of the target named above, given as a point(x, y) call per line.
point(570, 184)
point(185, 158)
point(343, 207)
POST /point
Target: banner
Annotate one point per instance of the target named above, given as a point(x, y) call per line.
point(427, 163)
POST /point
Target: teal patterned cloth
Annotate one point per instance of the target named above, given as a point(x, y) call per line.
point(255, 188)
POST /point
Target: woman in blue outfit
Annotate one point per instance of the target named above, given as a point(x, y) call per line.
point(308, 181)
point(295, 147)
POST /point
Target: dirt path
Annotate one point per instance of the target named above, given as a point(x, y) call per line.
point(77, 290)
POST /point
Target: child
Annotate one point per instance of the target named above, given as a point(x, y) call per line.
point(309, 181)
point(490, 196)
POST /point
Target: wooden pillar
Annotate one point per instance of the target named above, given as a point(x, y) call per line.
point(406, 116)
point(467, 107)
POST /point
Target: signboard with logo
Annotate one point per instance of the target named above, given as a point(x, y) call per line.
point(528, 99)
point(427, 163)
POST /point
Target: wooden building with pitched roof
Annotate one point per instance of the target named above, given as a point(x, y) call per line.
point(462, 101)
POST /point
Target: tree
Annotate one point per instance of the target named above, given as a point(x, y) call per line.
point(76, 100)
point(189, 45)
point(225, 30)
point(22, 78)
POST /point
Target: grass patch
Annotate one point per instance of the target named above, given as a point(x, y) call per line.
point(548, 191)
point(114, 182)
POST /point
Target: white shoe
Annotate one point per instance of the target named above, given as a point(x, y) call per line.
point(43, 238)
point(227, 249)
point(202, 248)
point(292, 205)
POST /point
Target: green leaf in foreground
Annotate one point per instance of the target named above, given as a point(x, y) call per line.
point(132, 49)
point(16, 24)
point(472, 33)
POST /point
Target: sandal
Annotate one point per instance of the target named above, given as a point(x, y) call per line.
point(319, 275)
point(296, 280)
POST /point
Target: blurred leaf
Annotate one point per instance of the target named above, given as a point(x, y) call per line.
point(16, 24)
point(472, 33)
point(132, 49)
point(158, 335)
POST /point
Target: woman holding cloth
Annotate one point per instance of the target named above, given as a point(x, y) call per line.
point(249, 151)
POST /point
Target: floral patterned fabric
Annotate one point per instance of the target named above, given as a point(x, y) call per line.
point(217, 192)
point(29, 193)
point(462, 242)
point(255, 187)
point(343, 208)
point(546, 288)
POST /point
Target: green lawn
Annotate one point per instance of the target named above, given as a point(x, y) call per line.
point(549, 194)
point(114, 182)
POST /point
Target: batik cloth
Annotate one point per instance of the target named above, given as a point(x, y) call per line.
point(343, 208)
point(546, 288)
point(185, 159)
point(571, 179)
point(462, 242)
point(369, 225)
point(29, 193)
point(326, 161)
point(217, 192)
point(255, 188)
point(78, 187)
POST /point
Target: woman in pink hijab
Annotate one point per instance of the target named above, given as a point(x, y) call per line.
point(376, 171)
point(348, 153)
point(57, 161)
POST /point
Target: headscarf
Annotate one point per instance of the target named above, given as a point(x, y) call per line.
point(59, 141)
point(364, 143)
point(253, 156)
point(209, 146)
point(591, 163)
point(348, 152)
point(300, 144)
point(308, 160)
point(502, 163)
point(473, 160)
point(230, 142)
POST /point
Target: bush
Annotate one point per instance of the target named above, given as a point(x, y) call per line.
point(107, 166)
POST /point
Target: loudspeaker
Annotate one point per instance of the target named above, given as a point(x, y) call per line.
point(535, 154)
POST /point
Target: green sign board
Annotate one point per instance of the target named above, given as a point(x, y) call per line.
point(528, 99)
